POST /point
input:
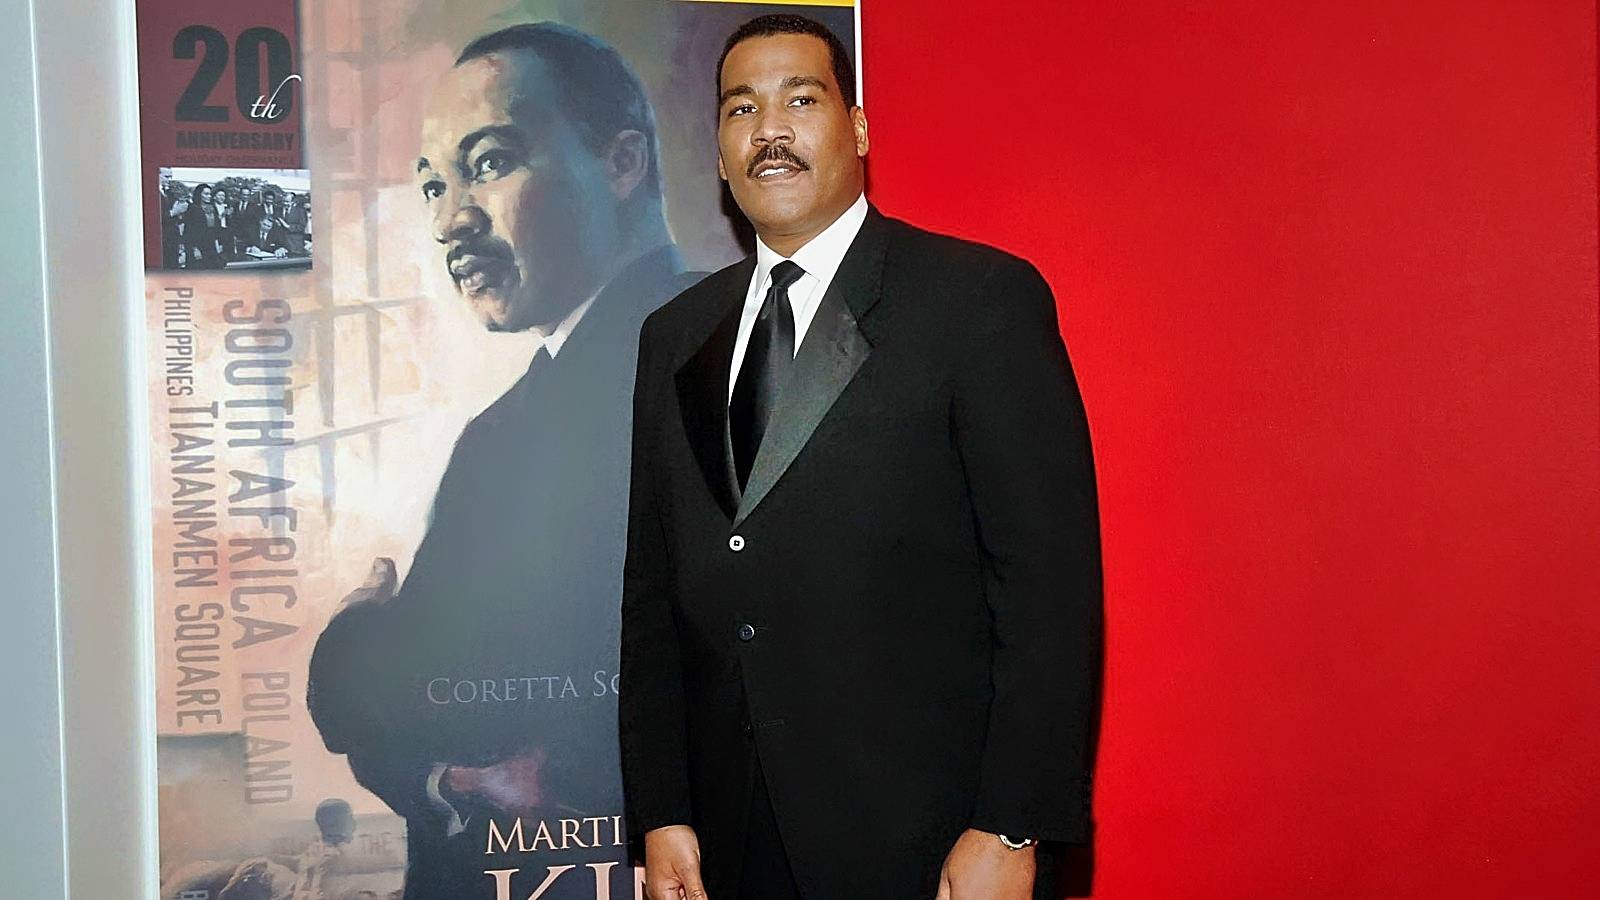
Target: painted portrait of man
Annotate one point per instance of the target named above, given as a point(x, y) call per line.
point(480, 690)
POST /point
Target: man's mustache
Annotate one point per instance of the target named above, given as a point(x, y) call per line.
point(485, 248)
point(775, 153)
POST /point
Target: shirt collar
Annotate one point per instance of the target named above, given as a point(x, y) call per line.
point(554, 340)
point(821, 255)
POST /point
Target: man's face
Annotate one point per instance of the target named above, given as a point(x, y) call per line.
point(520, 207)
point(787, 145)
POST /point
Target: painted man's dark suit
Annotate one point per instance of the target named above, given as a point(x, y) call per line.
point(901, 612)
point(515, 581)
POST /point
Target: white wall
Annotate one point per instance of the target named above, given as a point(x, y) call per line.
point(78, 755)
point(32, 858)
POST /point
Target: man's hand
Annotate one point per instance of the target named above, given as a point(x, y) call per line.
point(377, 589)
point(512, 784)
point(672, 864)
point(979, 867)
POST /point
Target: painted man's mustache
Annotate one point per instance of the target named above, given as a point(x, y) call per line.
point(775, 153)
point(488, 249)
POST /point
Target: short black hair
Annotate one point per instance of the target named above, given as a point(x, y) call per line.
point(786, 23)
point(598, 92)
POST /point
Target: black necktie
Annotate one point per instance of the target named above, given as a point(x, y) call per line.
point(767, 359)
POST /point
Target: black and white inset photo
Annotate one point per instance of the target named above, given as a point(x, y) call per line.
point(235, 218)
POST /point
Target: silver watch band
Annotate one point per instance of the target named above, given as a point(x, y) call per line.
point(1016, 843)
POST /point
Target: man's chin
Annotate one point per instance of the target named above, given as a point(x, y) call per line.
point(493, 310)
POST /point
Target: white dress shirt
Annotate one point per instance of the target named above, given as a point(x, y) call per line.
point(820, 258)
point(553, 340)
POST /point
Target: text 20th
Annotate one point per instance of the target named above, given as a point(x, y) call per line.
point(258, 102)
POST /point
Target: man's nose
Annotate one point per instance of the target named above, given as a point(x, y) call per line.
point(458, 217)
point(772, 127)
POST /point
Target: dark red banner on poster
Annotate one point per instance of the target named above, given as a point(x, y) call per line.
point(219, 88)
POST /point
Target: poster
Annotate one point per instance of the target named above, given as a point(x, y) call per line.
point(397, 255)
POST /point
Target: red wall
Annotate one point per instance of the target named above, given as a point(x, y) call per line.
point(1328, 276)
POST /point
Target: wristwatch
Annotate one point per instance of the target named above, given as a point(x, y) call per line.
point(1016, 843)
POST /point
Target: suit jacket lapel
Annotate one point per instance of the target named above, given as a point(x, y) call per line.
point(831, 352)
point(703, 393)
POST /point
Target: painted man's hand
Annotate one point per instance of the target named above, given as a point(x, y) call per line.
point(378, 588)
point(979, 867)
point(513, 784)
point(672, 864)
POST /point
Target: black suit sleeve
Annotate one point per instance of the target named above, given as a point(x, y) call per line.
point(1024, 445)
point(342, 694)
point(398, 781)
point(650, 705)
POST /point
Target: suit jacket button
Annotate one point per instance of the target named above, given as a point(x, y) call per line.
point(736, 543)
point(747, 632)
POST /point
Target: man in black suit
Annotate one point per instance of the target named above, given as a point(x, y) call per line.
point(271, 237)
point(294, 221)
point(246, 216)
point(236, 227)
point(480, 691)
point(173, 206)
point(861, 608)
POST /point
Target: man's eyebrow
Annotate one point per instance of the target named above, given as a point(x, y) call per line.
point(508, 133)
point(735, 91)
point(794, 81)
point(423, 164)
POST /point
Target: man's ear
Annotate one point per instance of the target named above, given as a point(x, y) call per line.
point(722, 171)
point(858, 121)
point(627, 162)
